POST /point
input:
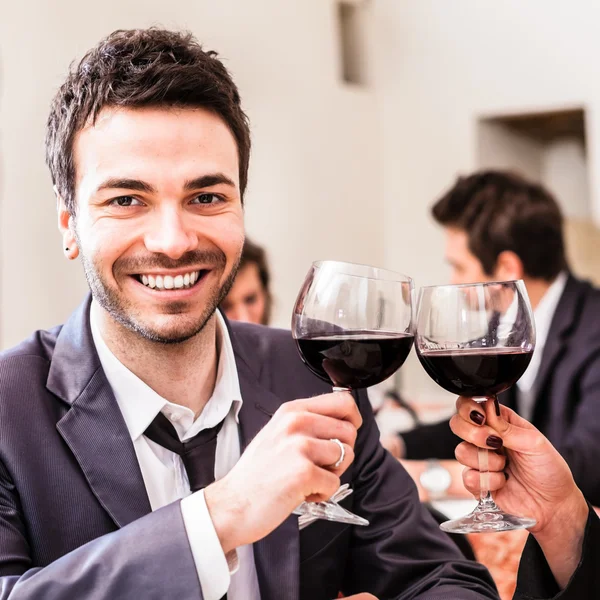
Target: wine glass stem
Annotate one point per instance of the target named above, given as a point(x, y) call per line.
point(485, 496)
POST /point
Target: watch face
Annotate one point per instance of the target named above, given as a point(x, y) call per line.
point(436, 479)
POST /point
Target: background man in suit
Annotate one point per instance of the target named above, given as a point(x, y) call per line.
point(501, 227)
point(114, 427)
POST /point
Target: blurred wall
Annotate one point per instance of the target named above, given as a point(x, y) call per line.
point(498, 147)
point(441, 66)
point(314, 186)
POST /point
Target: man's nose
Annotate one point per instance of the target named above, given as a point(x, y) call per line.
point(169, 234)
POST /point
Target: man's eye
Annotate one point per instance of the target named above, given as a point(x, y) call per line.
point(125, 201)
point(207, 199)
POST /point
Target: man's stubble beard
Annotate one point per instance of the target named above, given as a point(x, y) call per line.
point(121, 311)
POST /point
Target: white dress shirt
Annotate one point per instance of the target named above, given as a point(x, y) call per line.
point(164, 475)
point(543, 315)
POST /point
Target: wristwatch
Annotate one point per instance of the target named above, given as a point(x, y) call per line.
point(435, 480)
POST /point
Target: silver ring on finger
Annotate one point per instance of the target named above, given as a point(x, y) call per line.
point(340, 460)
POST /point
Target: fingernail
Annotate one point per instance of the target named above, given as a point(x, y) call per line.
point(476, 417)
point(494, 441)
point(497, 405)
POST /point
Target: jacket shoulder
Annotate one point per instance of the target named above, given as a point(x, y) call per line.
point(272, 355)
point(263, 341)
point(589, 306)
point(33, 353)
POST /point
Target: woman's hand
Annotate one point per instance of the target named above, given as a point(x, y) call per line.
point(528, 477)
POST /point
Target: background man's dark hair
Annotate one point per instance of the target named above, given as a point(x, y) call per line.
point(503, 211)
point(140, 68)
point(254, 254)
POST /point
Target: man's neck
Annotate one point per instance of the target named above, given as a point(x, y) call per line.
point(183, 373)
point(536, 290)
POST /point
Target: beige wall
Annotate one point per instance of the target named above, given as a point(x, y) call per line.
point(316, 149)
point(498, 147)
point(565, 172)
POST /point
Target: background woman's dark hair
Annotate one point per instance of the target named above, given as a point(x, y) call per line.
point(503, 211)
point(254, 254)
point(140, 68)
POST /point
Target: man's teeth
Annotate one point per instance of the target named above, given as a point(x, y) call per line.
point(167, 282)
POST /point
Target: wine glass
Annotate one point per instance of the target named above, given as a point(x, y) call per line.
point(477, 340)
point(353, 327)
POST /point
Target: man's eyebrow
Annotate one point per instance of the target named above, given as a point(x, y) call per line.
point(120, 183)
point(205, 181)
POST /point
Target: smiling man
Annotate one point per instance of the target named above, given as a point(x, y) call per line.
point(148, 449)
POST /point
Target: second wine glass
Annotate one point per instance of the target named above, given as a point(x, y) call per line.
point(477, 340)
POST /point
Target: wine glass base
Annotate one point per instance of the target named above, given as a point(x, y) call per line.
point(487, 521)
point(329, 511)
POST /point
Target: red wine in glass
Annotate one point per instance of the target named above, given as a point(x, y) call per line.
point(355, 359)
point(476, 372)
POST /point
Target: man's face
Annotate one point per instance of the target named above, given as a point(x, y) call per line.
point(466, 268)
point(247, 299)
point(159, 221)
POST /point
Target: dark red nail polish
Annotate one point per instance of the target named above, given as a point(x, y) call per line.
point(494, 442)
point(497, 405)
point(476, 417)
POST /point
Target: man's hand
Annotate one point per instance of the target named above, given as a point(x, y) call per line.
point(288, 462)
point(532, 480)
point(361, 597)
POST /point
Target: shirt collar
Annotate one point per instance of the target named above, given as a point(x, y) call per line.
point(543, 315)
point(544, 311)
point(140, 404)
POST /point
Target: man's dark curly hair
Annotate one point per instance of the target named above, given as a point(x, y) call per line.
point(502, 211)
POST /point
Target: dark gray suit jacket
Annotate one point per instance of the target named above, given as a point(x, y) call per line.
point(536, 582)
point(567, 406)
point(75, 520)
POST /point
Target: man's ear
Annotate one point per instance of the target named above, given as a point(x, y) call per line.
point(509, 267)
point(66, 226)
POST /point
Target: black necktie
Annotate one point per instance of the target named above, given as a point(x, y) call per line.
point(197, 454)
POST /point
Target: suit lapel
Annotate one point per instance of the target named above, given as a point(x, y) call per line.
point(94, 428)
point(563, 322)
point(277, 556)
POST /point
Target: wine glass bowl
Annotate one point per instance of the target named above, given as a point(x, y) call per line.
point(353, 324)
point(477, 340)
